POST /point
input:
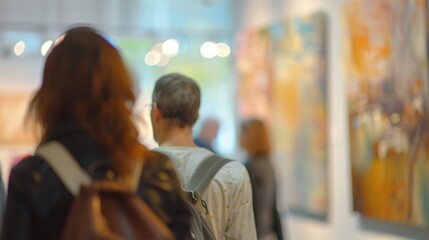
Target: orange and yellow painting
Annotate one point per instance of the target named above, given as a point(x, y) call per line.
point(282, 78)
point(300, 111)
point(254, 68)
point(388, 97)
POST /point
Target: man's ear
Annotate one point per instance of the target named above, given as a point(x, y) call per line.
point(157, 114)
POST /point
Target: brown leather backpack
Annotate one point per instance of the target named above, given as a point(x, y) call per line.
point(102, 209)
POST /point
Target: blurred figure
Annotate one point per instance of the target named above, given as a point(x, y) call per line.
point(254, 140)
point(85, 103)
point(175, 105)
point(208, 134)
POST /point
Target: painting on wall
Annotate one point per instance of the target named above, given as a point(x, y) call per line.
point(13, 108)
point(300, 111)
point(282, 79)
point(254, 68)
point(388, 96)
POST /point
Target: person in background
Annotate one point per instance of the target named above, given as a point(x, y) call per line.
point(254, 139)
point(85, 102)
point(175, 105)
point(208, 134)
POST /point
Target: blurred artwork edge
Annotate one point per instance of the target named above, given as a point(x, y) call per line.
point(13, 108)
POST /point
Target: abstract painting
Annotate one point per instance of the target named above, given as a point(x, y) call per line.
point(300, 111)
point(388, 96)
point(254, 68)
point(282, 79)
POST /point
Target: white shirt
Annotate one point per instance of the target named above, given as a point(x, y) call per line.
point(228, 196)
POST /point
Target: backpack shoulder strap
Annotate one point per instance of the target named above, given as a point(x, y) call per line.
point(64, 165)
point(205, 172)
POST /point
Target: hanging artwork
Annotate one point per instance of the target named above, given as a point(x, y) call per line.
point(388, 96)
point(254, 69)
point(300, 111)
point(283, 80)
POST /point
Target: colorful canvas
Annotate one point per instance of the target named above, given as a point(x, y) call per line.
point(388, 96)
point(254, 68)
point(300, 111)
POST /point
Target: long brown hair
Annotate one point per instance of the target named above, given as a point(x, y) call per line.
point(86, 82)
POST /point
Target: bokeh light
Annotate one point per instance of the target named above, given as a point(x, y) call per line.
point(45, 47)
point(152, 58)
point(209, 49)
point(19, 48)
point(163, 61)
point(170, 47)
point(223, 50)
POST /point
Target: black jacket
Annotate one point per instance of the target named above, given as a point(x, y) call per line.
point(38, 203)
point(264, 193)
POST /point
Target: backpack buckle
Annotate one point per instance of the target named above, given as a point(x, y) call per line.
point(204, 204)
point(196, 197)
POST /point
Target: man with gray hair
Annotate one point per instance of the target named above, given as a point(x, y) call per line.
point(175, 106)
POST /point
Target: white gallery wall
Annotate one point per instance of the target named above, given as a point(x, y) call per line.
point(342, 223)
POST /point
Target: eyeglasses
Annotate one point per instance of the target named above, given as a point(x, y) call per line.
point(148, 107)
point(147, 110)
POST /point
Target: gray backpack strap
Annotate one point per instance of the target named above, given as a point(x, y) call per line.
point(204, 173)
point(199, 182)
point(64, 165)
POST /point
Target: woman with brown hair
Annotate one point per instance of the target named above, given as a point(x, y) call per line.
point(254, 139)
point(85, 103)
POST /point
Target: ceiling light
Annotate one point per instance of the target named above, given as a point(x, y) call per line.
point(45, 47)
point(209, 50)
point(152, 58)
point(19, 48)
point(223, 50)
point(170, 47)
